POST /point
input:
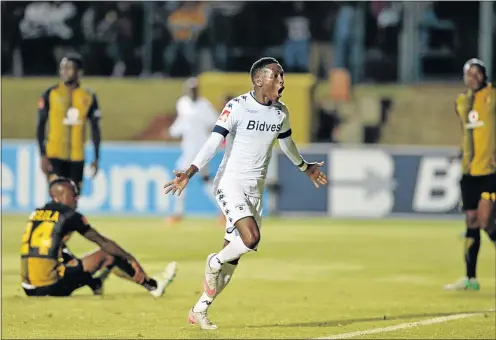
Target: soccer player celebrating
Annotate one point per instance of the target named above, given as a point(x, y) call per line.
point(477, 113)
point(195, 119)
point(250, 123)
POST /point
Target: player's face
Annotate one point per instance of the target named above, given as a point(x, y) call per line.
point(68, 197)
point(273, 82)
point(193, 93)
point(474, 78)
point(68, 71)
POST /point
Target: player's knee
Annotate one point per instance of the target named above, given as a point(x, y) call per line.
point(484, 213)
point(471, 219)
point(108, 261)
point(249, 232)
point(252, 238)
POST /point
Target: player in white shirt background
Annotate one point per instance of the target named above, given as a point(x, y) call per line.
point(250, 123)
point(195, 119)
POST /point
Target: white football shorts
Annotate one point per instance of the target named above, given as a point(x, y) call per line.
point(235, 205)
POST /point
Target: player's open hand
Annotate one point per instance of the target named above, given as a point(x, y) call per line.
point(139, 273)
point(316, 176)
point(178, 184)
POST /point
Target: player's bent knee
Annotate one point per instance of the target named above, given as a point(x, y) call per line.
point(249, 232)
point(109, 260)
point(251, 239)
point(471, 219)
point(484, 211)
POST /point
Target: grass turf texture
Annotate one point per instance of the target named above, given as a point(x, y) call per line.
point(310, 278)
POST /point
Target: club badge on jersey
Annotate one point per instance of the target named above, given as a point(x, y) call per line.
point(72, 117)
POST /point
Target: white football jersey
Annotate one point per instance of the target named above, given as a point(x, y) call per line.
point(193, 124)
point(250, 129)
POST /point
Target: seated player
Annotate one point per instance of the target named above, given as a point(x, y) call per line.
point(49, 269)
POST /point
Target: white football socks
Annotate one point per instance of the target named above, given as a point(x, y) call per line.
point(203, 303)
point(224, 278)
point(231, 252)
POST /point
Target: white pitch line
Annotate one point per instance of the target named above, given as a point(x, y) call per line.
point(404, 325)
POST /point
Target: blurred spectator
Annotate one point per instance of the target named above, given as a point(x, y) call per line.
point(185, 25)
point(328, 126)
point(296, 46)
point(191, 37)
point(221, 32)
point(343, 34)
point(100, 31)
point(322, 16)
point(12, 14)
point(48, 31)
point(111, 32)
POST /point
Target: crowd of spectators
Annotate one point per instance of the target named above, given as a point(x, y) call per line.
point(190, 37)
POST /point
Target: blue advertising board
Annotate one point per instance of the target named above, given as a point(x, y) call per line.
point(371, 182)
point(374, 182)
point(130, 180)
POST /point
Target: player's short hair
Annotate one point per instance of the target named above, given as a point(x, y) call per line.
point(66, 181)
point(260, 64)
point(76, 58)
point(477, 63)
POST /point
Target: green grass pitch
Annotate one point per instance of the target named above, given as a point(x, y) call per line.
point(310, 278)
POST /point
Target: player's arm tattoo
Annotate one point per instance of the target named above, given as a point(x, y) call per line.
point(96, 133)
point(106, 244)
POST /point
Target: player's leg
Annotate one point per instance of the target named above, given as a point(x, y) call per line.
point(470, 200)
point(241, 215)
point(77, 174)
point(74, 275)
point(58, 169)
point(486, 209)
point(220, 267)
point(199, 313)
point(103, 262)
point(228, 268)
point(155, 285)
point(224, 278)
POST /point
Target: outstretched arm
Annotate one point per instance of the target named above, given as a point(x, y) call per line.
point(107, 245)
point(289, 148)
point(224, 125)
point(207, 152)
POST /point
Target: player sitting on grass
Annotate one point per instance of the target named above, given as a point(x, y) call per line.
point(250, 123)
point(49, 269)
